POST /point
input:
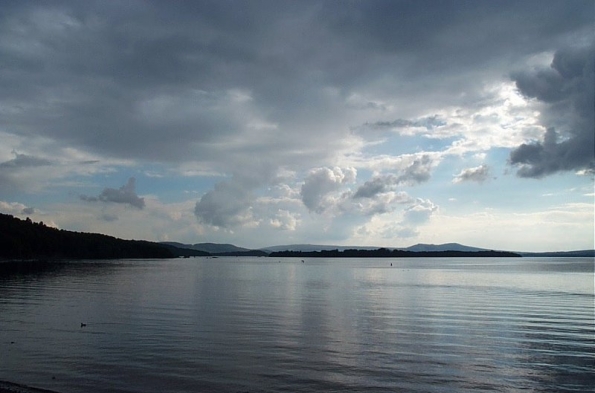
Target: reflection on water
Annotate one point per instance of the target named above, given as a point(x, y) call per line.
point(263, 325)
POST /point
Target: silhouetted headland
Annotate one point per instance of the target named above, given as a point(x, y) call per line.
point(27, 240)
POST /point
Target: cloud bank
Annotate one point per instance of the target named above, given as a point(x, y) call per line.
point(567, 93)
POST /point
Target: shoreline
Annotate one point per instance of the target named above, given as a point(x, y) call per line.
point(11, 387)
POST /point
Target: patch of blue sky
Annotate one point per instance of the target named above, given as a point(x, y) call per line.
point(396, 144)
point(152, 180)
point(34, 200)
point(70, 188)
point(167, 186)
point(502, 189)
point(505, 191)
point(363, 175)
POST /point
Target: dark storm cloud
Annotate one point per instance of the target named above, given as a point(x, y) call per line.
point(447, 35)
point(566, 89)
point(86, 73)
point(124, 195)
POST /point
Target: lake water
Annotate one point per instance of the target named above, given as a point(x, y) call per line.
point(280, 325)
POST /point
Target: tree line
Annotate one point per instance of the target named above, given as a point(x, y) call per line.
point(24, 239)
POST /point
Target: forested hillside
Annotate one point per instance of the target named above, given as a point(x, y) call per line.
point(24, 239)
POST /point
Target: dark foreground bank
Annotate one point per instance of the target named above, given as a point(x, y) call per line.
point(9, 387)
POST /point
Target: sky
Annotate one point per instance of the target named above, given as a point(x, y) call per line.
point(260, 123)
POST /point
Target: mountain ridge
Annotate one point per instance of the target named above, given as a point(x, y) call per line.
point(211, 248)
point(230, 249)
point(416, 247)
point(24, 239)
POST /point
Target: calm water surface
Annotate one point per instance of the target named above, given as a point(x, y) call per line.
point(269, 325)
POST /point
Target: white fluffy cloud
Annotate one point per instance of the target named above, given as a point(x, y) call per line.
point(285, 220)
point(319, 189)
point(226, 206)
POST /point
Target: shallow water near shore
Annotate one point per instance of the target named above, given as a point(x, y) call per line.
point(283, 325)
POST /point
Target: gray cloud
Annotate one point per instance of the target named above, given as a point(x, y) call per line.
point(375, 186)
point(477, 174)
point(111, 71)
point(109, 217)
point(417, 171)
point(566, 89)
point(226, 206)
point(16, 174)
point(320, 183)
point(429, 123)
point(376, 203)
point(124, 195)
point(28, 210)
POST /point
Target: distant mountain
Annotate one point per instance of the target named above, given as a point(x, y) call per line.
point(313, 247)
point(415, 248)
point(24, 239)
point(441, 247)
point(232, 250)
point(179, 251)
point(249, 253)
point(211, 248)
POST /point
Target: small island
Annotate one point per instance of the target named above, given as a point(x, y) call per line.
point(386, 253)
